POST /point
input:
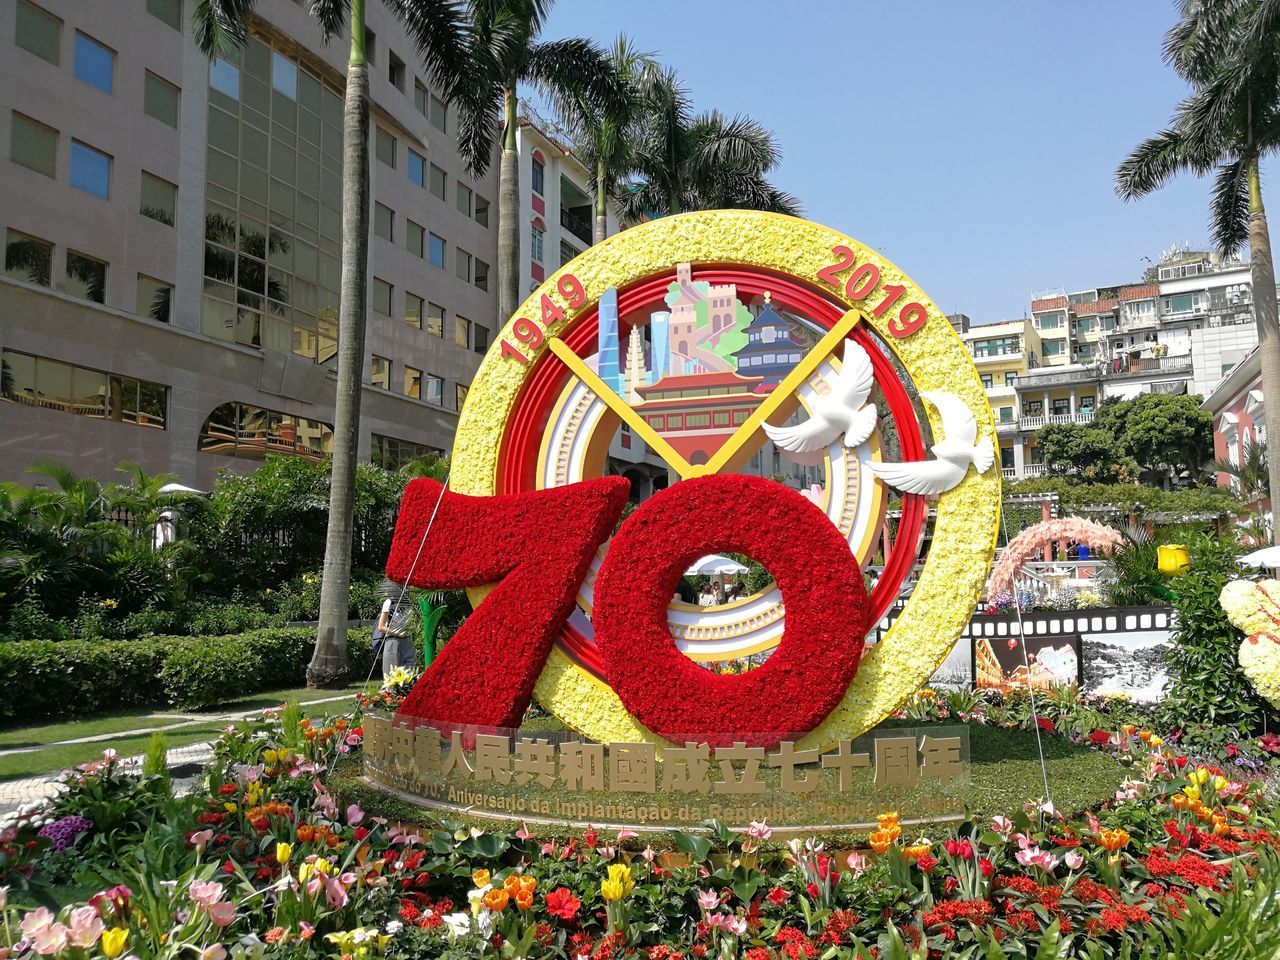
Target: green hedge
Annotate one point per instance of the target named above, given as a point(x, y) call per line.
point(42, 679)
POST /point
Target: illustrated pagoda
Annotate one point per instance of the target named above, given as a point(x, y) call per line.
point(774, 346)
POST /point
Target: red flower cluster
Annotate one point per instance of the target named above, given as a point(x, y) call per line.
point(838, 927)
point(795, 944)
point(1117, 919)
point(827, 609)
point(975, 912)
point(1190, 866)
point(485, 674)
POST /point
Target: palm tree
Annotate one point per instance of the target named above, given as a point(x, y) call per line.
point(435, 26)
point(504, 51)
point(1227, 51)
point(703, 162)
point(604, 138)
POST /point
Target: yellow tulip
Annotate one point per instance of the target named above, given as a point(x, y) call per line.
point(1220, 783)
point(113, 941)
point(1201, 776)
point(480, 878)
point(269, 756)
point(1156, 741)
point(618, 884)
point(1192, 791)
point(230, 807)
point(283, 852)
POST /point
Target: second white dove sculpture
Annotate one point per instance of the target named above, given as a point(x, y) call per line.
point(958, 448)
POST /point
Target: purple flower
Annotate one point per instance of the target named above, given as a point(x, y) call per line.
point(62, 833)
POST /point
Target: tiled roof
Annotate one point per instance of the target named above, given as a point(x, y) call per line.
point(1052, 303)
point(700, 381)
point(1092, 309)
point(1147, 291)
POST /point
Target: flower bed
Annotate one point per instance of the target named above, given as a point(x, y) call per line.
point(267, 861)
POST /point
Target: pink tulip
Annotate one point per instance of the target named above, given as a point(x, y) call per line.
point(37, 920)
point(1002, 826)
point(708, 899)
point(335, 894)
point(50, 940)
point(205, 893)
point(215, 952)
point(86, 927)
point(222, 913)
point(1073, 860)
point(200, 839)
point(354, 814)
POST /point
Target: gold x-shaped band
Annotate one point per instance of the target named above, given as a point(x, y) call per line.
point(781, 393)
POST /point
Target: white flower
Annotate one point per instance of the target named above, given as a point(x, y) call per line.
point(394, 927)
point(458, 924)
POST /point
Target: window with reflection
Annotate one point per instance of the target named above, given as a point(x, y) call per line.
point(412, 382)
point(28, 258)
point(95, 63)
point(155, 299)
point(392, 454)
point(54, 385)
point(159, 199)
point(435, 319)
point(380, 372)
point(273, 201)
point(415, 238)
point(160, 99)
point(38, 31)
point(251, 432)
point(86, 277)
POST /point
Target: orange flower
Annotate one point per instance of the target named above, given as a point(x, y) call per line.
point(512, 883)
point(1144, 735)
point(1128, 729)
point(1179, 801)
point(1113, 840)
point(524, 900)
point(306, 833)
point(496, 900)
point(880, 841)
point(480, 878)
point(916, 851)
point(528, 884)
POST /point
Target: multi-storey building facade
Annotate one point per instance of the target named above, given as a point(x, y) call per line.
point(1180, 331)
point(172, 233)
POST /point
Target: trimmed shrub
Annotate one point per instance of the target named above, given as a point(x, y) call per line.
point(76, 678)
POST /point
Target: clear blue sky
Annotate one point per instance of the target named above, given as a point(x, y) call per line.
point(973, 144)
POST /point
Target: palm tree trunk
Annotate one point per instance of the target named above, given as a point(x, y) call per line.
point(601, 230)
point(509, 215)
point(329, 663)
point(1263, 277)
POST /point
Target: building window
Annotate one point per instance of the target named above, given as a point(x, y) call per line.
point(160, 99)
point(435, 319)
point(284, 75)
point(439, 183)
point(1086, 324)
point(987, 381)
point(417, 167)
point(159, 199)
point(1006, 414)
point(90, 169)
point(395, 71)
point(413, 310)
point(1035, 408)
point(392, 454)
point(273, 202)
point(155, 299)
point(41, 382)
point(166, 11)
point(480, 338)
point(460, 394)
point(1049, 321)
point(420, 97)
point(414, 238)
point(95, 64)
point(412, 382)
point(567, 253)
point(539, 174)
point(1060, 407)
point(33, 145)
point(462, 265)
point(384, 147)
point(381, 297)
point(380, 372)
point(86, 277)
point(435, 249)
point(244, 430)
point(464, 200)
point(28, 258)
point(439, 114)
point(999, 347)
point(482, 275)
point(224, 76)
point(482, 211)
point(536, 243)
point(384, 222)
point(1086, 404)
point(38, 31)
point(1010, 379)
point(435, 390)
point(462, 332)
point(1054, 348)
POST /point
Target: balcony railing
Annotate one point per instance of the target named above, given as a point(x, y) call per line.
point(1033, 469)
point(1009, 473)
point(1036, 421)
point(575, 226)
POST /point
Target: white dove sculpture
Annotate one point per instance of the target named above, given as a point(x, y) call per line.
point(958, 448)
point(842, 410)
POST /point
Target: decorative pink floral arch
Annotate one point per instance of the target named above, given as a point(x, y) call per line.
point(1033, 540)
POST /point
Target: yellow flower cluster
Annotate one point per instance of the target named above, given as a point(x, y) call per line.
point(1251, 608)
point(888, 834)
point(618, 883)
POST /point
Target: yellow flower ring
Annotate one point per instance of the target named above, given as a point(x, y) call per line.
point(967, 518)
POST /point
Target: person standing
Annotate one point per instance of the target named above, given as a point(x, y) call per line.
point(392, 634)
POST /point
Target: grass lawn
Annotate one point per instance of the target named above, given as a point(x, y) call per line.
point(56, 759)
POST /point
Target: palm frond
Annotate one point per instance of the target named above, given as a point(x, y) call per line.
point(438, 31)
point(1152, 164)
point(331, 15)
point(1229, 211)
point(739, 142)
point(221, 26)
point(575, 70)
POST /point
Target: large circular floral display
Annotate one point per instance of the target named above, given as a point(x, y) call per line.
point(707, 337)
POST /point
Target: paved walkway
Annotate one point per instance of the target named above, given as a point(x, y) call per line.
point(187, 763)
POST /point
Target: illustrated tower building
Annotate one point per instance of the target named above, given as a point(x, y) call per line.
point(774, 346)
point(635, 366)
